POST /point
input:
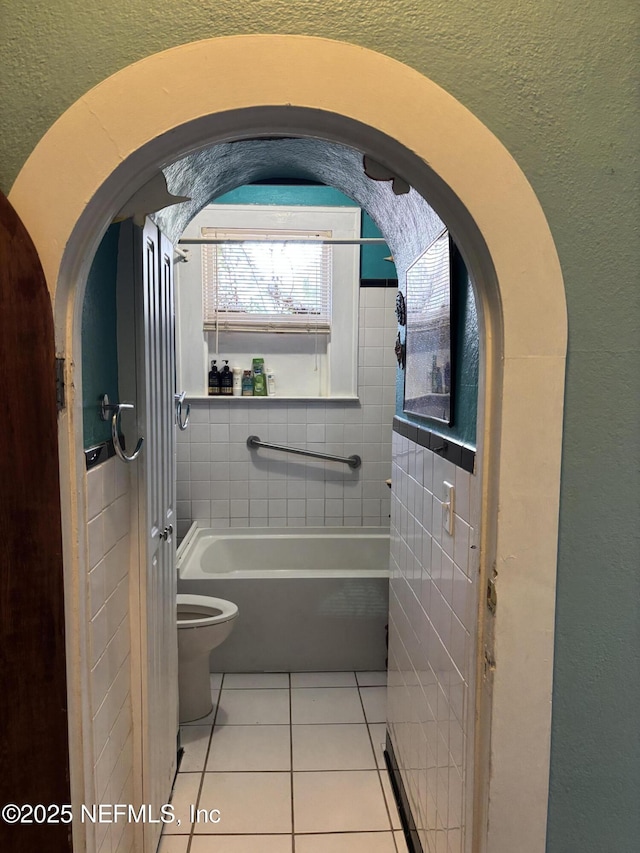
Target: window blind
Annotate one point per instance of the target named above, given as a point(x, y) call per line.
point(266, 282)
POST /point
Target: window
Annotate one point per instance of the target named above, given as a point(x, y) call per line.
point(266, 280)
point(261, 291)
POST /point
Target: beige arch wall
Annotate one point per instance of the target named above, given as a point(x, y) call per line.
point(117, 136)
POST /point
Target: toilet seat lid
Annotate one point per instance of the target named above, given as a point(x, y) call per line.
point(211, 611)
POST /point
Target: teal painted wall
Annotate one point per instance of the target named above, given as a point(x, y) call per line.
point(99, 338)
point(467, 354)
point(558, 85)
point(372, 258)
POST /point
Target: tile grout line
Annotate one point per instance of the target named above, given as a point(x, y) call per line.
point(293, 820)
point(375, 758)
point(206, 759)
point(292, 833)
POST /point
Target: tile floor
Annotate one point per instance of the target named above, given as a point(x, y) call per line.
point(294, 764)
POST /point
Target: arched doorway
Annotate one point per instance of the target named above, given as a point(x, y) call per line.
point(93, 159)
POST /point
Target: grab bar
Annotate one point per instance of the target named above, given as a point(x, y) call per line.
point(352, 461)
point(115, 409)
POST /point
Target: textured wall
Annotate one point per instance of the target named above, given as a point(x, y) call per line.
point(557, 83)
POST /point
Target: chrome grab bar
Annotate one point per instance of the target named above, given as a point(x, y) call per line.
point(352, 461)
point(179, 398)
point(114, 409)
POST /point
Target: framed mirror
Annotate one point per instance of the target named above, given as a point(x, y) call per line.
point(428, 372)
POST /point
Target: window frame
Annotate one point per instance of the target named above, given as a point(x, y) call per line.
point(339, 367)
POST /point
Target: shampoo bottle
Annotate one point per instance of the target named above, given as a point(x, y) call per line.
point(214, 380)
point(226, 380)
point(237, 382)
point(259, 379)
point(247, 384)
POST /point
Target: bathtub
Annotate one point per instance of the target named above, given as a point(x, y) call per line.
point(309, 599)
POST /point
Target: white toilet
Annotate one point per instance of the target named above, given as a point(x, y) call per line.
point(203, 623)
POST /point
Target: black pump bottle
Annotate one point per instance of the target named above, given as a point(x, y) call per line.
point(214, 380)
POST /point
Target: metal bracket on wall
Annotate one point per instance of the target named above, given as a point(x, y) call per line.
point(113, 410)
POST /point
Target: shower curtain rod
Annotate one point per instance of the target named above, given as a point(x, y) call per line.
point(336, 241)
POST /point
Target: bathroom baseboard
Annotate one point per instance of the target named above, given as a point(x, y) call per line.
point(408, 823)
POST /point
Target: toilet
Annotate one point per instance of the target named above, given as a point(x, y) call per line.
point(203, 623)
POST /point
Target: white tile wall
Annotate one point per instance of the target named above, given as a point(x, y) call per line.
point(222, 484)
point(432, 627)
point(110, 648)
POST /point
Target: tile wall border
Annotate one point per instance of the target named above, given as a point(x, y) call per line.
point(453, 451)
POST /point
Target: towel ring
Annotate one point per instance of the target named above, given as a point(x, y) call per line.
point(179, 398)
point(114, 409)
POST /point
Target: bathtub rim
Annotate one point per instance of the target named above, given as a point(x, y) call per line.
point(196, 533)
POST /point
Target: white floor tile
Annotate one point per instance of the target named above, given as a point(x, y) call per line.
point(339, 801)
point(374, 700)
point(195, 742)
point(347, 842)
point(264, 707)
point(326, 705)
point(248, 803)
point(342, 803)
point(379, 737)
point(174, 844)
point(185, 795)
point(323, 679)
point(250, 748)
point(372, 679)
point(332, 747)
point(241, 844)
point(216, 680)
point(257, 680)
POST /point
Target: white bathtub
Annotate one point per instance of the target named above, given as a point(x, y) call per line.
point(309, 599)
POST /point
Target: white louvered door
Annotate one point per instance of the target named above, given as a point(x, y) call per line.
point(155, 354)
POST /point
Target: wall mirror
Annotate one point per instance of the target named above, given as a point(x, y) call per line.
point(428, 373)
